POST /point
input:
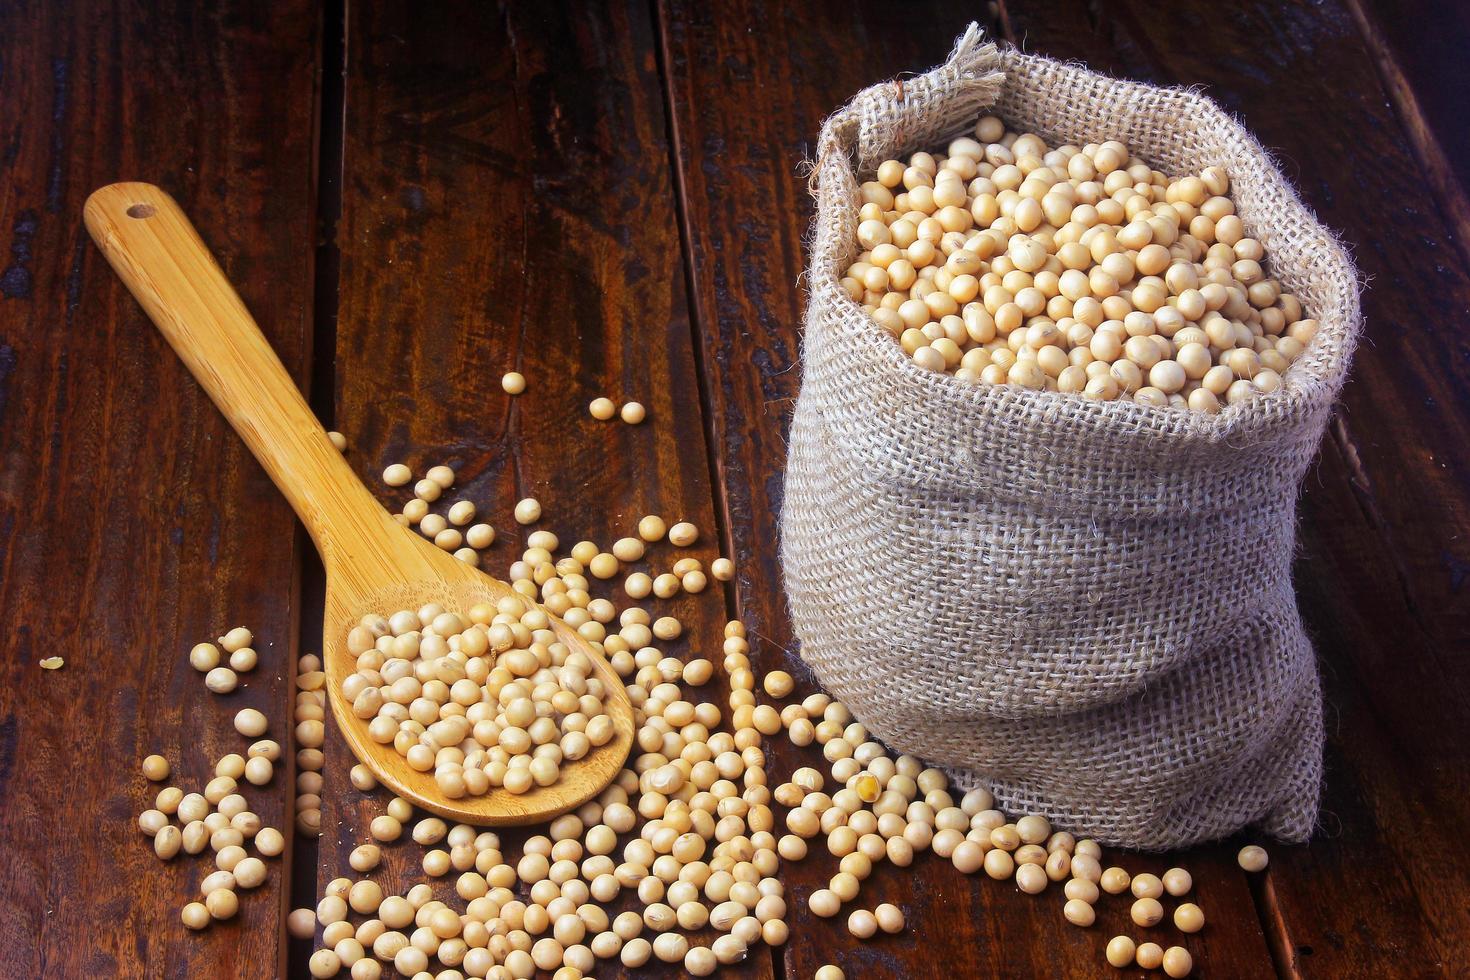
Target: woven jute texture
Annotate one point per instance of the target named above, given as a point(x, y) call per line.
point(1085, 606)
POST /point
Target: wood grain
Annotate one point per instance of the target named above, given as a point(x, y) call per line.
point(502, 212)
point(1384, 516)
point(135, 523)
point(749, 86)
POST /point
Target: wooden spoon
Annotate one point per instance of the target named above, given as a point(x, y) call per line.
point(373, 565)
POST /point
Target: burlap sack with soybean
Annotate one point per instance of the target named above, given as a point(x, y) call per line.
point(1085, 606)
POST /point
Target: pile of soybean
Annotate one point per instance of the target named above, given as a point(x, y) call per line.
point(1078, 269)
point(692, 835)
point(689, 839)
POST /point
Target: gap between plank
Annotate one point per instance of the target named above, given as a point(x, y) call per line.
point(691, 289)
point(723, 529)
point(310, 587)
point(327, 167)
point(1273, 926)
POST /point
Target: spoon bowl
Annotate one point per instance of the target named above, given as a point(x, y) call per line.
point(373, 565)
point(458, 587)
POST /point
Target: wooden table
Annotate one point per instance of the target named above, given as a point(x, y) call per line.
point(415, 198)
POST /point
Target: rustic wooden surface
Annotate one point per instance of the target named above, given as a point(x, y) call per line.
point(610, 202)
point(134, 524)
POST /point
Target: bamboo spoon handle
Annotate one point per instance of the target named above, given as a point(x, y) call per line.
point(156, 252)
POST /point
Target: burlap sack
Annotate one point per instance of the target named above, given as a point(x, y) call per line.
point(1086, 606)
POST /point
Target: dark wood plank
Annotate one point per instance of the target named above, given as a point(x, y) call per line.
point(1384, 518)
point(750, 84)
point(135, 523)
point(1419, 62)
point(507, 206)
